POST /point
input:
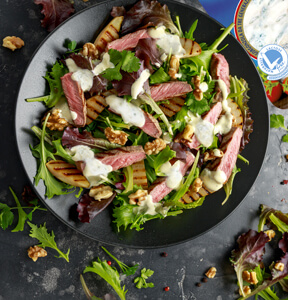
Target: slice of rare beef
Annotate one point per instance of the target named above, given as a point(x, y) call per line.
point(170, 89)
point(219, 69)
point(75, 98)
point(121, 157)
point(128, 41)
point(159, 189)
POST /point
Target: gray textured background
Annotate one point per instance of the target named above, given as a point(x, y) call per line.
point(52, 278)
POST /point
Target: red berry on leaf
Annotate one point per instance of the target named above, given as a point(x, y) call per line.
point(109, 262)
point(273, 90)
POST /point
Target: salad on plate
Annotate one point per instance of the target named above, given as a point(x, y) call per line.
point(145, 119)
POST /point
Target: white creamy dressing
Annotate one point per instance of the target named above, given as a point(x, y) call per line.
point(74, 115)
point(83, 76)
point(224, 124)
point(217, 152)
point(203, 86)
point(130, 113)
point(213, 180)
point(173, 173)
point(169, 43)
point(166, 137)
point(94, 169)
point(203, 130)
point(164, 57)
point(64, 111)
point(137, 86)
point(148, 207)
point(266, 22)
point(103, 65)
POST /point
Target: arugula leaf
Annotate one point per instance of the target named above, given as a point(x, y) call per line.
point(277, 121)
point(156, 161)
point(109, 274)
point(246, 161)
point(281, 226)
point(179, 123)
point(56, 91)
point(22, 216)
point(177, 22)
point(124, 60)
point(229, 184)
point(159, 76)
point(189, 34)
point(141, 280)
point(174, 199)
point(53, 186)
point(6, 216)
point(46, 240)
point(125, 269)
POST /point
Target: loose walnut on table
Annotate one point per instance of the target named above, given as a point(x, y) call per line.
point(154, 147)
point(211, 272)
point(35, 252)
point(13, 42)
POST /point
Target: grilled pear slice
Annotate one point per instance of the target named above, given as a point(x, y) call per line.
point(192, 48)
point(95, 105)
point(67, 173)
point(108, 34)
point(236, 112)
point(139, 174)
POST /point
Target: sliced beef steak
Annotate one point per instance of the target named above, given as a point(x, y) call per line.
point(151, 126)
point(219, 69)
point(128, 41)
point(230, 146)
point(170, 89)
point(159, 189)
point(121, 157)
point(75, 98)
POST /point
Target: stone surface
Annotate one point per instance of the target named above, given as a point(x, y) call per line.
point(53, 278)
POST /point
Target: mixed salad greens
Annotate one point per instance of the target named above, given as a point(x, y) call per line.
point(135, 73)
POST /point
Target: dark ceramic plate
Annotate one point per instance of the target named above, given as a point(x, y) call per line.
point(157, 233)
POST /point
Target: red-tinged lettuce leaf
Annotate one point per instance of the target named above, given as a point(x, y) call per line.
point(72, 137)
point(283, 243)
point(99, 84)
point(276, 276)
point(88, 208)
point(81, 61)
point(123, 87)
point(251, 248)
point(148, 51)
point(146, 13)
point(55, 12)
point(118, 11)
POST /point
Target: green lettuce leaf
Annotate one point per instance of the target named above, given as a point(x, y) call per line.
point(54, 80)
point(46, 240)
point(109, 274)
point(159, 76)
point(229, 184)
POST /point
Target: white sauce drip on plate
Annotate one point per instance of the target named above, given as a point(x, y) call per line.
point(130, 113)
point(169, 43)
point(94, 169)
point(173, 173)
point(137, 86)
point(213, 180)
point(83, 76)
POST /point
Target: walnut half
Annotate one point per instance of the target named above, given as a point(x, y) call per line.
point(211, 272)
point(12, 42)
point(116, 136)
point(154, 147)
point(90, 50)
point(35, 252)
point(197, 92)
point(101, 192)
point(137, 197)
point(55, 122)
